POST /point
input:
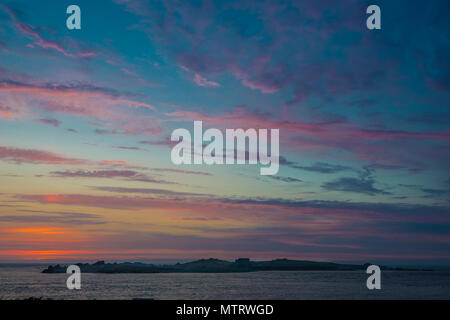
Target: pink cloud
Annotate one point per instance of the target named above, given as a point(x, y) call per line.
point(384, 146)
point(18, 155)
point(85, 100)
point(203, 82)
point(21, 155)
point(40, 41)
point(34, 33)
point(5, 112)
point(264, 88)
point(308, 212)
point(241, 117)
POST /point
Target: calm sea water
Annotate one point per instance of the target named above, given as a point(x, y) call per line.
point(27, 281)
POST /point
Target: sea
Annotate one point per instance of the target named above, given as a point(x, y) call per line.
point(27, 281)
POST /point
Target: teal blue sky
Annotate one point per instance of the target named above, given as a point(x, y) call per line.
point(86, 117)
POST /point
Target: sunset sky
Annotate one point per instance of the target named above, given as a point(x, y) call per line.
point(86, 117)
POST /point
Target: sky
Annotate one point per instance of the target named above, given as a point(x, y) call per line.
point(86, 117)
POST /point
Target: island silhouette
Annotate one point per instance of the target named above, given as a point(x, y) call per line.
point(214, 266)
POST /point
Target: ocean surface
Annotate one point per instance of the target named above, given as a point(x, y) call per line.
point(21, 282)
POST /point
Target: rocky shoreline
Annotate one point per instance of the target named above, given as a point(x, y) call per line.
point(215, 266)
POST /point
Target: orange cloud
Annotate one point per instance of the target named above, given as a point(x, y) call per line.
point(38, 231)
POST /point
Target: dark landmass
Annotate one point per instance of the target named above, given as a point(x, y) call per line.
point(215, 266)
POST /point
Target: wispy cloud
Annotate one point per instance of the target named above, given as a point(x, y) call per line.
point(53, 217)
point(182, 171)
point(355, 185)
point(109, 174)
point(203, 82)
point(152, 191)
point(17, 155)
point(35, 33)
point(50, 121)
point(285, 179)
point(319, 167)
point(80, 99)
point(127, 148)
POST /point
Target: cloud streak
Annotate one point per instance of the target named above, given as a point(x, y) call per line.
point(109, 174)
point(18, 156)
point(36, 34)
point(82, 100)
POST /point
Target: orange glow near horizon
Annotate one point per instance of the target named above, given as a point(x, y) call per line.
point(52, 198)
point(39, 231)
